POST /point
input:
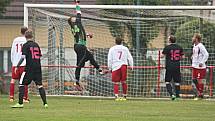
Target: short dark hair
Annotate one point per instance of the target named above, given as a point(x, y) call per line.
point(118, 40)
point(172, 39)
point(28, 34)
point(198, 37)
point(23, 30)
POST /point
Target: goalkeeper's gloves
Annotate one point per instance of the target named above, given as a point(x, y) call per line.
point(77, 1)
point(89, 35)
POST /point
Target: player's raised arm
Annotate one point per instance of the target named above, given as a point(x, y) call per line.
point(79, 22)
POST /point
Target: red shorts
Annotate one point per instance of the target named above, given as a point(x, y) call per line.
point(198, 73)
point(120, 74)
point(18, 73)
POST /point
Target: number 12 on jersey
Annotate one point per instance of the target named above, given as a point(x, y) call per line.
point(35, 52)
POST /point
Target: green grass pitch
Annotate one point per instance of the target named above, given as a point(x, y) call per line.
point(84, 109)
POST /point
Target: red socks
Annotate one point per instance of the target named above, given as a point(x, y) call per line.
point(11, 90)
point(124, 88)
point(200, 88)
point(116, 88)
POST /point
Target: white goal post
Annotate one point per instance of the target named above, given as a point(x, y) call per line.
point(27, 5)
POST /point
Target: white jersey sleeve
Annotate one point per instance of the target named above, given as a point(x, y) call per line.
point(119, 55)
point(16, 51)
point(200, 55)
point(110, 58)
point(204, 53)
point(12, 52)
point(130, 59)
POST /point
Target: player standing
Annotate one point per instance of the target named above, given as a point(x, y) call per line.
point(173, 54)
point(16, 52)
point(32, 53)
point(83, 54)
point(118, 59)
point(199, 58)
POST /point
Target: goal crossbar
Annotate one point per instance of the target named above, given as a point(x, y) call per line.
point(143, 7)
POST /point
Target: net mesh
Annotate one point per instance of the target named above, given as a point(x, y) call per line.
point(147, 29)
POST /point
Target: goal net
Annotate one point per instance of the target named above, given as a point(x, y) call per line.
point(145, 31)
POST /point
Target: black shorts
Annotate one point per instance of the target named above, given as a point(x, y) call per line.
point(83, 54)
point(28, 77)
point(173, 74)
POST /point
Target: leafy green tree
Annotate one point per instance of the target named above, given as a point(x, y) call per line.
point(3, 4)
point(118, 29)
point(185, 33)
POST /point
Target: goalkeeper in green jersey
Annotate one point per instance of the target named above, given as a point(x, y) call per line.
point(83, 54)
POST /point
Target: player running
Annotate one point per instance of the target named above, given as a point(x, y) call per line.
point(173, 54)
point(83, 54)
point(32, 53)
point(16, 52)
point(199, 58)
point(118, 59)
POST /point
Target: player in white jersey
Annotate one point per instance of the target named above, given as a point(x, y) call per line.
point(16, 52)
point(118, 59)
point(199, 58)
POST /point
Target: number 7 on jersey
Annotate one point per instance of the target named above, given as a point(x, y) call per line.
point(120, 54)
